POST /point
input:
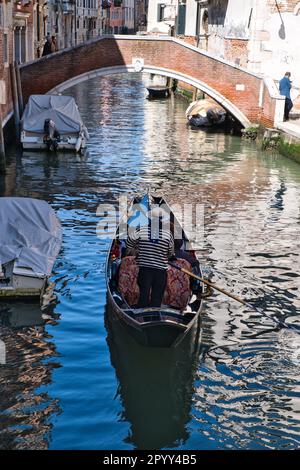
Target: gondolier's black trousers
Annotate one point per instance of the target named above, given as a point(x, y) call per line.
point(152, 283)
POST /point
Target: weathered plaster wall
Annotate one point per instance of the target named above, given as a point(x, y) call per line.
point(261, 35)
point(228, 20)
point(280, 49)
point(155, 26)
point(190, 20)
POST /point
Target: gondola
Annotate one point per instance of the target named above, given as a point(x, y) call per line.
point(154, 327)
point(158, 91)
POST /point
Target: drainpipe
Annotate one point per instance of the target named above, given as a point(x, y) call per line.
point(75, 19)
point(198, 16)
point(14, 90)
point(38, 25)
point(2, 148)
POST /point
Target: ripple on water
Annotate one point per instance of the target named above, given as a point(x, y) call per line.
point(249, 393)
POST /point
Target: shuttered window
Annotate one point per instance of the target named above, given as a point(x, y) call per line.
point(181, 19)
point(160, 12)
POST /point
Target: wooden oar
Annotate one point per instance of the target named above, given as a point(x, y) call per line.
point(234, 297)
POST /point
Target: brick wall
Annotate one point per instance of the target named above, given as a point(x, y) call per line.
point(283, 5)
point(51, 71)
point(236, 51)
point(192, 40)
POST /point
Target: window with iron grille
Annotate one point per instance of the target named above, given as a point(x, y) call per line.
point(5, 48)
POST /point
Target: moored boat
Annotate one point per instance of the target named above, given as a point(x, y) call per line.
point(205, 113)
point(30, 240)
point(158, 91)
point(53, 122)
point(157, 327)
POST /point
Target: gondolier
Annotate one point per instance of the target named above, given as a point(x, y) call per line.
point(155, 245)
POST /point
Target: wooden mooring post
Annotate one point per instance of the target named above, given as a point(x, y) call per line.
point(170, 83)
point(195, 93)
point(2, 148)
point(19, 89)
point(14, 90)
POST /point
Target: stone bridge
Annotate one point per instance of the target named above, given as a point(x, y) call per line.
point(247, 96)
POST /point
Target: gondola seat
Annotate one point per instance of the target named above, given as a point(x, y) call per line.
point(127, 283)
point(177, 292)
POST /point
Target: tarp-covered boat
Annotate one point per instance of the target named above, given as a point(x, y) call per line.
point(159, 327)
point(30, 240)
point(52, 122)
point(205, 113)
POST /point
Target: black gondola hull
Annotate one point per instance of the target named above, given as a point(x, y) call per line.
point(157, 334)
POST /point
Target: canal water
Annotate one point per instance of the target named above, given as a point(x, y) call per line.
point(73, 378)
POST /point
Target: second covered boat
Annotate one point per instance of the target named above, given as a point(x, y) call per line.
point(52, 122)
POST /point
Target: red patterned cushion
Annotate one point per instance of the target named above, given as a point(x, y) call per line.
point(177, 292)
point(128, 274)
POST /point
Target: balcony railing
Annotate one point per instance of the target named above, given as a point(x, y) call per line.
point(67, 7)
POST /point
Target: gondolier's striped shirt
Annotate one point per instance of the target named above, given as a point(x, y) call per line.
point(152, 252)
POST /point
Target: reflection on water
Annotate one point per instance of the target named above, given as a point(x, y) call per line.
point(30, 358)
point(78, 381)
point(155, 386)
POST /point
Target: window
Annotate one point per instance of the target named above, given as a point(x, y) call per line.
point(181, 19)
point(1, 16)
point(5, 48)
point(160, 12)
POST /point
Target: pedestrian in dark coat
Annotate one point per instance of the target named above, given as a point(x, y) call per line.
point(47, 46)
point(285, 86)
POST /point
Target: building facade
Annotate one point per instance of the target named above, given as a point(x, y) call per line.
point(141, 9)
point(6, 56)
point(25, 25)
point(259, 35)
point(116, 22)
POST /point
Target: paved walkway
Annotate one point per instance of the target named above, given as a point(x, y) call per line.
point(291, 127)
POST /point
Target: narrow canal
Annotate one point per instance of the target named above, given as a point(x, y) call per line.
point(74, 379)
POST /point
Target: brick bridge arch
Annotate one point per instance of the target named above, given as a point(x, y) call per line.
point(247, 96)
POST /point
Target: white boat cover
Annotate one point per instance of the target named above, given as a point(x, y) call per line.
point(200, 107)
point(30, 233)
point(61, 109)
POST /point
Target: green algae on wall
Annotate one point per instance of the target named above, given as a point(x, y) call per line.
point(290, 150)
